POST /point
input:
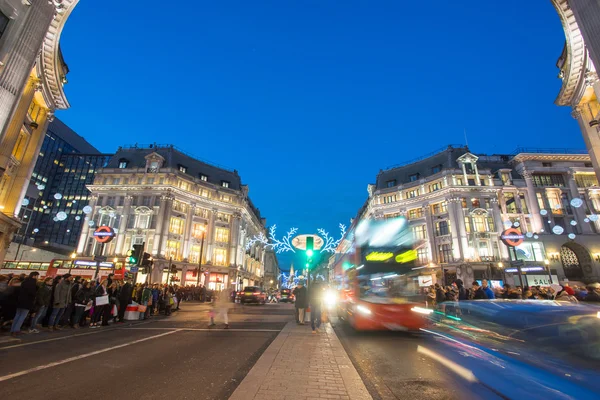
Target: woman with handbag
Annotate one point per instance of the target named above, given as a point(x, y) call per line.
point(100, 303)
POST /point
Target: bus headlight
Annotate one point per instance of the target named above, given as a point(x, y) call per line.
point(363, 310)
point(422, 310)
point(330, 299)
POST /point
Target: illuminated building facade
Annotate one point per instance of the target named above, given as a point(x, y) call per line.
point(179, 207)
point(32, 76)
point(580, 85)
point(458, 203)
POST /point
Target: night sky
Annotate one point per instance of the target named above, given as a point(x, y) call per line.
point(309, 99)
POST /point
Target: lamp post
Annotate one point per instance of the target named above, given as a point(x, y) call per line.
point(547, 264)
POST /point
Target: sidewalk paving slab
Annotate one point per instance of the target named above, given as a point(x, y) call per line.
point(300, 365)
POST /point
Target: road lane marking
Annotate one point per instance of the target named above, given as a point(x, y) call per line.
point(70, 359)
point(209, 329)
point(451, 365)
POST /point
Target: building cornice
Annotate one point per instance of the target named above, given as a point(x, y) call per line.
point(575, 58)
point(49, 67)
point(549, 157)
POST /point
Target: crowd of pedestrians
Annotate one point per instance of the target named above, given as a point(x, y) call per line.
point(69, 301)
point(437, 294)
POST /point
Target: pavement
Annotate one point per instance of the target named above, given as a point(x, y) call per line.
point(300, 365)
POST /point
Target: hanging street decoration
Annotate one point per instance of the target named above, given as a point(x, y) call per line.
point(290, 242)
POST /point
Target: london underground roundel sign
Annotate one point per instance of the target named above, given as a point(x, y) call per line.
point(512, 237)
point(104, 234)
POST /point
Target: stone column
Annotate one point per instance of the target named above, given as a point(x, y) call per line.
point(456, 242)
point(210, 235)
point(534, 209)
point(578, 211)
point(183, 274)
point(460, 222)
point(430, 227)
point(123, 224)
point(159, 224)
point(187, 233)
point(499, 226)
point(85, 231)
point(234, 235)
point(167, 209)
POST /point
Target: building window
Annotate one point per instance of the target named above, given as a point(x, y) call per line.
point(586, 180)
point(182, 168)
point(524, 208)
point(459, 181)
point(389, 199)
point(222, 235)
point(439, 208)
point(391, 183)
point(445, 253)
point(588, 165)
point(505, 176)
point(116, 181)
point(143, 221)
point(479, 223)
point(422, 256)
point(123, 163)
point(540, 200)
point(442, 228)
point(490, 224)
point(173, 247)
point(413, 177)
point(468, 224)
point(546, 164)
point(419, 232)
point(415, 213)
point(435, 186)
point(412, 193)
point(223, 217)
point(475, 202)
point(437, 168)
point(548, 180)
point(471, 182)
point(194, 255)
point(225, 184)
point(179, 206)
point(554, 202)
point(204, 178)
point(220, 257)
point(201, 212)
point(176, 225)
point(509, 201)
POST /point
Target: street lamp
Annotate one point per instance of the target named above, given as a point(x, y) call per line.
point(73, 255)
point(547, 263)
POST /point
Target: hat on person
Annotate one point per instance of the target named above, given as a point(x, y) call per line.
point(569, 290)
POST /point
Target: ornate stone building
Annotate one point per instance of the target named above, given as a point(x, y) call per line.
point(580, 85)
point(179, 207)
point(32, 76)
point(457, 204)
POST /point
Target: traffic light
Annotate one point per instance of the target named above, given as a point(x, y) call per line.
point(146, 262)
point(138, 250)
point(130, 257)
point(310, 245)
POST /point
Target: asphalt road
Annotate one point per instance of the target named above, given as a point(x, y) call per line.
point(176, 357)
point(391, 367)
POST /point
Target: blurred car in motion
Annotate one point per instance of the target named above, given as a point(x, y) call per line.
point(532, 349)
point(286, 296)
point(253, 294)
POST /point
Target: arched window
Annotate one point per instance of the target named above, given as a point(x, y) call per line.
point(571, 264)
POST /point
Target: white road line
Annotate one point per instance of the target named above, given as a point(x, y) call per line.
point(209, 329)
point(67, 360)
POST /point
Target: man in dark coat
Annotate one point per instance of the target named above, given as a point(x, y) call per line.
point(478, 293)
point(301, 302)
point(25, 302)
point(125, 297)
point(462, 292)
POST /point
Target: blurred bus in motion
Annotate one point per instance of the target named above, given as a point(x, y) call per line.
point(378, 290)
point(530, 349)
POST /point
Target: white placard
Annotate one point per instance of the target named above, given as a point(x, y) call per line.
point(541, 280)
point(425, 280)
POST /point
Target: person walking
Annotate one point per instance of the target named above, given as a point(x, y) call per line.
point(316, 303)
point(222, 304)
point(301, 302)
point(42, 302)
point(62, 297)
point(25, 302)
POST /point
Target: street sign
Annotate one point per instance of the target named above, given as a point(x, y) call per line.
point(104, 234)
point(133, 269)
point(517, 263)
point(100, 258)
point(512, 237)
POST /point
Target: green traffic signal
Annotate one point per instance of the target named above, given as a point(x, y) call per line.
point(309, 253)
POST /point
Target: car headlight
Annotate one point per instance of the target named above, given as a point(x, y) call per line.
point(363, 310)
point(330, 298)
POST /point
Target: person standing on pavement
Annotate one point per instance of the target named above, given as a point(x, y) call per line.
point(100, 291)
point(316, 304)
point(81, 299)
point(478, 292)
point(42, 302)
point(222, 304)
point(25, 302)
point(488, 290)
point(125, 298)
point(146, 299)
point(69, 313)
point(62, 297)
point(301, 302)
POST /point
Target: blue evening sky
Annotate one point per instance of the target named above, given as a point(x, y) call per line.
point(309, 99)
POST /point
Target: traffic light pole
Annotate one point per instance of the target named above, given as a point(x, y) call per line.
point(98, 261)
point(200, 261)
